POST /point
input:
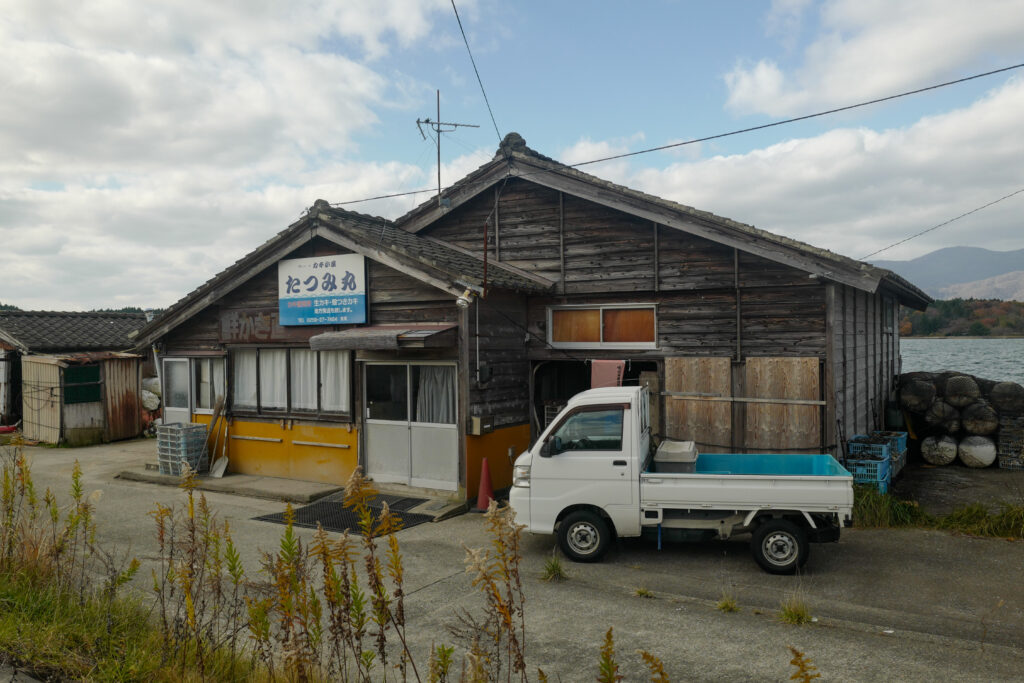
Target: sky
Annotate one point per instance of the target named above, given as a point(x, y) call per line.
point(145, 146)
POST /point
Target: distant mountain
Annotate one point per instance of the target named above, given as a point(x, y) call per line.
point(1008, 287)
point(940, 270)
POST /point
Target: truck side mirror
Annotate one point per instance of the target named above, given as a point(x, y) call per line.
point(545, 449)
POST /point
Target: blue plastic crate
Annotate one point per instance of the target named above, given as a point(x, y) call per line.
point(858, 448)
point(899, 461)
point(897, 441)
point(873, 472)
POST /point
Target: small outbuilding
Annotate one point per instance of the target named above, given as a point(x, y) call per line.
point(422, 347)
point(66, 377)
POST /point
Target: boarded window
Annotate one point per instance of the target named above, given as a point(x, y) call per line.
point(576, 325)
point(82, 384)
point(628, 325)
point(614, 326)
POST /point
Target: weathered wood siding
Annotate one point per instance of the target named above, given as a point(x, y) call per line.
point(865, 358)
point(711, 300)
point(502, 347)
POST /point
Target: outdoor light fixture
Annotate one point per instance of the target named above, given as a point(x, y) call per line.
point(463, 300)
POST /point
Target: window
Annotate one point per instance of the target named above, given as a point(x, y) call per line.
point(208, 375)
point(598, 429)
point(82, 384)
point(291, 381)
point(431, 388)
point(617, 326)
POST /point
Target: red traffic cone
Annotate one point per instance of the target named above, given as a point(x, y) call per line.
point(486, 492)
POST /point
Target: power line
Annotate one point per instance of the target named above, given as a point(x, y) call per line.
point(936, 227)
point(710, 137)
point(800, 118)
point(477, 72)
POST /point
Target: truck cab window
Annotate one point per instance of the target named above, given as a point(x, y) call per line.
point(591, 430)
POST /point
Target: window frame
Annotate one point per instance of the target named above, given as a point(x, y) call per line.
point(653, 307)
point(623, 409)
point(288, 412)
point(193, 367)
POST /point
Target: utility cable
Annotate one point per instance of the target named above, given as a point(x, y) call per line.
point(936, 227)
point(703, 139)
point(477, 72)
point(799, 118)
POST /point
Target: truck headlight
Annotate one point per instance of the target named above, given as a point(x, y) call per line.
point(521, 476)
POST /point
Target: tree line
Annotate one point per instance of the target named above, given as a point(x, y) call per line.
point(964, 318)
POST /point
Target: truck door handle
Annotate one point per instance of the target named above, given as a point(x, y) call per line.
point(619, 463)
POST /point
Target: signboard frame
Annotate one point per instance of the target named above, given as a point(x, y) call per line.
point(322, 290)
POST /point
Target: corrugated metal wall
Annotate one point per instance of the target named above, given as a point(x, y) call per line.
point(121, 398)
point(41, 400)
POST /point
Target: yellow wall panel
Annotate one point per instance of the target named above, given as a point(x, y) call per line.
point(274, 453)
point(494, 447)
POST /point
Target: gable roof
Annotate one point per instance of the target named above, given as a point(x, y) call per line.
point(437, 263)
point(52, 331)
point(515, 160)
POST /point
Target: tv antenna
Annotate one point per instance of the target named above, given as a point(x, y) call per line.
point(439, 126)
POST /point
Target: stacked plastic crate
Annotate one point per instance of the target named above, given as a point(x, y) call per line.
point(897, 450)
point(1011, 443)
point(869, 462)
point(178, 443)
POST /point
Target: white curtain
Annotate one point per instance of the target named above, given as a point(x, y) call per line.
point(218, 378)
point(244, 363)
point(273, 379)
point(334, 381)
point(435, 394)
point(303, 379)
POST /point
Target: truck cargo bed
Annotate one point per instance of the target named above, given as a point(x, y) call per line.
point(749, 481)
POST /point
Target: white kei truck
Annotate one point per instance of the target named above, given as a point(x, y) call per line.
point(592, 475)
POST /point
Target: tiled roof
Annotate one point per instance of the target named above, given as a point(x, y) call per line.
point(458, 264)
point(50, 331)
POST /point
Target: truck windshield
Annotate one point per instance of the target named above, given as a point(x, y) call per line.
point(591, 430)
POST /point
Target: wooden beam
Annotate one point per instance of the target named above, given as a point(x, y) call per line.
point(829, 385)
point(683, 396)
point(497, 224)
point(657, 260)
point(739, 309)
point(561, 238)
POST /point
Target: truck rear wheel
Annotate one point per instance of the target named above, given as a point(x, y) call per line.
point(583, 536)
point(779, 546)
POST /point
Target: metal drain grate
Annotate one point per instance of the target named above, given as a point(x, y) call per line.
point(333, 516)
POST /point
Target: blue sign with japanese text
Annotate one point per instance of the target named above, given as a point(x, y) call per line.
point(323, 290)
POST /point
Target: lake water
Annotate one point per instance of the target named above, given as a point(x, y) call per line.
point(1001, 360)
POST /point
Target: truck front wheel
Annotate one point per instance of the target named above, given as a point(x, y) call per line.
point(779, 546)
point(583, 536)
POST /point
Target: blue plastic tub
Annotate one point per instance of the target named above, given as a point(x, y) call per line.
point(771, 464)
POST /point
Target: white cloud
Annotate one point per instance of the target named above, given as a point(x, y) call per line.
point(585, 149)
point(148, 145)
point(856, 190)
point(872, 48)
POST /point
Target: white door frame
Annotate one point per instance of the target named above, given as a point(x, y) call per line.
point(173, 414)
point(426, 435)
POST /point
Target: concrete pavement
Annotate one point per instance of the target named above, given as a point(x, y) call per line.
point(890, 605)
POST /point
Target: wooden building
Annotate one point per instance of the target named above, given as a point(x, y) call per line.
point(484, 312)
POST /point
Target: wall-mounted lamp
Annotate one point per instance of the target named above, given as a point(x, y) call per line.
point(464, 299)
